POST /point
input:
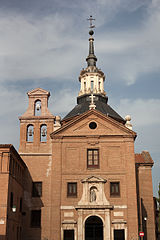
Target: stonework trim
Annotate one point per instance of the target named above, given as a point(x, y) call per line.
point(68, 214)
point(120, 206)
point(66, 207)
point(72, 221)
point(119, 221)
point(94, 207)
point(93, 179)
point(35, 154)
point(118, 214)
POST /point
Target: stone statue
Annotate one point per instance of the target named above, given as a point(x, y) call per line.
point(92, 195)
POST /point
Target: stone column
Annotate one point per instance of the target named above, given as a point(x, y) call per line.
point(80, 225)
point(107, 226)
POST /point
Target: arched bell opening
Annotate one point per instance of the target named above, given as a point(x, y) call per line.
point(30, 133)
point(93, 228)
point(37, 108)
point(43, 133)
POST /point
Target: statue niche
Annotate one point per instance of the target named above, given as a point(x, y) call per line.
point(93, 192)
point(93, 195)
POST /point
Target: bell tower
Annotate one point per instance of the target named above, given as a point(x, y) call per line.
point(36, 123)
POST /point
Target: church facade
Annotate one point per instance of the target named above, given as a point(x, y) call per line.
point(77, 178)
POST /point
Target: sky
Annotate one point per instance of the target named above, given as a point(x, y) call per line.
point(44, 44)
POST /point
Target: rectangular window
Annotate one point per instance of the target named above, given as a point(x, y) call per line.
point(68, 235)
point(36, 218)
point(114, 189)
point(37, 189)
point(72, 189)
point(92, 158)
point(119, 234)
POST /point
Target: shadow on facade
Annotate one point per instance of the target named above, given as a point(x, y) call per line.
point(2, 237)
point(31, 220)
point(138, 199)
point(142, 212)
point(144, 219)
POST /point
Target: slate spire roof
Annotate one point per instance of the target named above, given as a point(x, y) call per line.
point(91, 59)
point(101, 106)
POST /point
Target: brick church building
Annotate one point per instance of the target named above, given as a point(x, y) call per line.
point(77, 178)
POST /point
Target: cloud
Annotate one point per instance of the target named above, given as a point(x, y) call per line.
point(45, 47)
point(46, 42)
point(63, 102)
point(144, 112)
point(11, 106)
point(132, 52)
point(35, 49)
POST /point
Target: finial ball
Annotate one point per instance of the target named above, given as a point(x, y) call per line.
point(58, 118)
point(128, 118)
point(91, 32)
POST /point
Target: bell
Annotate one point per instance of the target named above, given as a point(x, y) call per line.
point(30, 132)
point(43, 132)
point(38, 107)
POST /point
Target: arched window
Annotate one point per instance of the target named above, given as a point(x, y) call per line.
point(43, 132)
point(37, 108)
point(92, 85)
point(30, 133)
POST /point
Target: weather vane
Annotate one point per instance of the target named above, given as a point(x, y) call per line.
point(91, 19)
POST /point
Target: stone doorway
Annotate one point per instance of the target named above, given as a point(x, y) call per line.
point(93, 228)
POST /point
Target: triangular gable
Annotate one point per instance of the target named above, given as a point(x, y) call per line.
point(38, 91)
point(80, 126)
point(93, 179)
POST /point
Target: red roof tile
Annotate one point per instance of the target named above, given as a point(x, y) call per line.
point(143, 158)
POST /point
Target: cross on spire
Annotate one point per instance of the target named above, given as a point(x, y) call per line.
point(92, 98)
point(92, 105)
point(91, 19)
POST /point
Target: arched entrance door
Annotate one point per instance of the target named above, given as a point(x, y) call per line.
point(93, 228)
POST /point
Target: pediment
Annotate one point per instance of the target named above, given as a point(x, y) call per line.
point(94, 179)
point(38, 91)
point(100, 124)
point(80, 126)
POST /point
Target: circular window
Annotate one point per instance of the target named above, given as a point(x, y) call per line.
point(93, 125)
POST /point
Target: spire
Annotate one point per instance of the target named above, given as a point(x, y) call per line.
point(91, 59)
point(91, 78)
